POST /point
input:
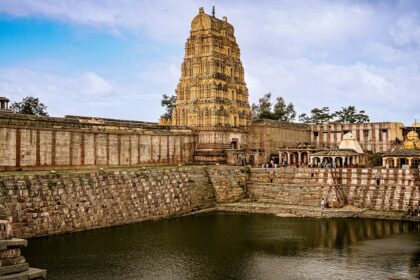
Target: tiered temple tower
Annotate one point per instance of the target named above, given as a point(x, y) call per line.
point(212, 90)
point(211, 96)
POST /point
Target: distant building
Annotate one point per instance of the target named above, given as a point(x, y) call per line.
point(406, 155)
point(349, 153)
point(373, 137)
point(4, 104)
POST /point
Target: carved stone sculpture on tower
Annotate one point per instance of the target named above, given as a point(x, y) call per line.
point(212, 90)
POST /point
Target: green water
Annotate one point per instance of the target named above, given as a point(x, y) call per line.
point(234, 246)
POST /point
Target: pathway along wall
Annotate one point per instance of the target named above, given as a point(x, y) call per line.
point(33, 142)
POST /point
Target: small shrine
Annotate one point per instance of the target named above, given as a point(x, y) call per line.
point(405, 156)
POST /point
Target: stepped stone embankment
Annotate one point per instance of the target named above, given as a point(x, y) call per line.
point(69, 201)
point(367, 188)
point(61, 203)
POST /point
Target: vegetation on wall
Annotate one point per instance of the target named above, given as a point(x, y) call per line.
point(265, 109)
point(30, 106)
point(168, 102)
point(345, 115)
point(280, 111)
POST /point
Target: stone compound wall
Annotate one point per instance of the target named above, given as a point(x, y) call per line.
point(376, 189)
point(267, 136)
point(31, 142)
point(53, 204)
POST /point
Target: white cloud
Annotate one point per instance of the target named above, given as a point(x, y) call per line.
point(386, 94)
point(95, 85)
point(407, 30)
point(314, 53)
point(85, 93)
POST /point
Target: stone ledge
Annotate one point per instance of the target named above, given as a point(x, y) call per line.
point(14, 242)
point(283, 210)
point(31, 273)
point(11, 269)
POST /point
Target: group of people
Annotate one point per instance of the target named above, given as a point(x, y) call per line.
point(283, 163)
point(414, 212)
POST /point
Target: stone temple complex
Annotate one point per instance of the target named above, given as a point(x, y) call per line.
point(74, 173)
point(211, 123)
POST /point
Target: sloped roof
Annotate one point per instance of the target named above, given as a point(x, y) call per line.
point(335, 153)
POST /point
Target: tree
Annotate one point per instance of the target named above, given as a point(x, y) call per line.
point(321, 115)
point(280, 112)
point(169, 103)
point(350, 115)
point(304, 118)
point(263, 109)
point(283, 112)
point(318, 116)
point(30, 106)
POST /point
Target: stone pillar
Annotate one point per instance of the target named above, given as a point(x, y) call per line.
point(395, 162)
point(12, 264)
point(333, 162)
point(299, 157)
point(288, 157)
point(409, 161)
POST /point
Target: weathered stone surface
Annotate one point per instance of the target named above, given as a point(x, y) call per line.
point(52, 204)
point(68, 202)
point(212, 91)
point(31, 273)
point(6, 231)
point(11, 243)
point(376, 189)
point(10, 253)
point(12, 261)
point(35, 142)
point(4, 270)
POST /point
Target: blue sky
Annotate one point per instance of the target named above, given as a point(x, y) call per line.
point(116, 58)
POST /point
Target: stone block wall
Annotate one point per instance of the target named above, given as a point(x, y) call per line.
point(380, 189)
point(49, 203)
point(375, 189)
point(33, 142)
point(290, 186)
point(229, 182)
point(267, 136)
point(52, 204)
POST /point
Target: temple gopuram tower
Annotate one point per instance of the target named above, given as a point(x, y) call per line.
point(211, 96)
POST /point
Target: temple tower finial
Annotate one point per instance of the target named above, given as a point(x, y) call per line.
point(213, 11)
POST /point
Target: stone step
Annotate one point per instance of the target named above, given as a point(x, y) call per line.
point(31, 273)
point(5, 270)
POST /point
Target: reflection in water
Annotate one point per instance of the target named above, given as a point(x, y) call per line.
point(235, 246)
